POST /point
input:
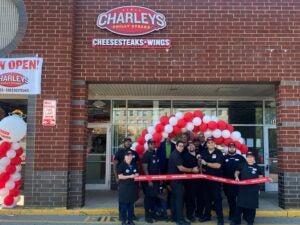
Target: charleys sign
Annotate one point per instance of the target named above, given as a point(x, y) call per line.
point(131, 21)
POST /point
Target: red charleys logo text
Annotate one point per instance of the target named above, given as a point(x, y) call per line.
point(131, 20)
point(13, 80)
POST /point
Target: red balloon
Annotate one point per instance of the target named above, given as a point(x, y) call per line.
point(144, 132)
point(157, 137)
point(188, 116)
point(18, 184)
point(222, 125)
point(196, 129)
point(212, 125)
point(141, 140)
point(10, 169)
point(15, 161)
point(8, 200)
point(4, 147)
point(227, 141)
point(176, 130)
point(203, 127)
point(181, 123)
point(219, 140)
point(157, 144)
point(14, 192)
point(4, 177)
point(230, 128)
point(244, 149)
point(238, 145)
point(159, 128)
point(198, 113)
point(164, 120)
point(19, 151)
point(139, 148)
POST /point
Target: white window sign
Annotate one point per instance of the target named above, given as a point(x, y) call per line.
point(49, 113)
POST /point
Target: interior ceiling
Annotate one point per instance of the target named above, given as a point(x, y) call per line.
point(121, 91)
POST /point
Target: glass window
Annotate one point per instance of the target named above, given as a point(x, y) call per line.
point(143, 109)
point(99, 111)
point(270, 114)
point(119, 112)
point(241, 112)
point(207, 107)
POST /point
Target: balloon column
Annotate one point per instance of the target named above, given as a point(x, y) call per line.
point(12, 130)
point(170, 126)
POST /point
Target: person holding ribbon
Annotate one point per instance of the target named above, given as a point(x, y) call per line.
point(248, 195)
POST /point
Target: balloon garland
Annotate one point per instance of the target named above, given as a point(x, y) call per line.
point(171, 126)
point(12, 130)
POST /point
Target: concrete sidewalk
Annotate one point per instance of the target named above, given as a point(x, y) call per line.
point(106, 203)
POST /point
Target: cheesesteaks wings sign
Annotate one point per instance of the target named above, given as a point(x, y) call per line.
point(20, 75)
point(131, 21)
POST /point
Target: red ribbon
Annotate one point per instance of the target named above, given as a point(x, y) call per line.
point(202, 176)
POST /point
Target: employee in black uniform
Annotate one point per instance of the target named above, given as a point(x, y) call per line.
point(119, 157)
point(203, 144)
point(247, 199)
point(176, 167)
point(192, 186)
point(127, 188)
point(150, 164)
point(212, 160)
point(230, 164)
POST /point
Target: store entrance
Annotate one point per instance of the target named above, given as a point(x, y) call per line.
point(98, 158)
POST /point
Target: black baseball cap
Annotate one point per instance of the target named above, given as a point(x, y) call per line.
point(127, 139)
point(250, 154)
point(129, 152)
point(210, 139)
point(150, 141)
point(231, 144)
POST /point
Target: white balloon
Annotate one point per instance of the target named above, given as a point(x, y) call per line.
point(18, 168)
point(4, 191)
point(168, 128)
point(214, 118)
point(155, 123)
point(189, 126)
point(173, 121)
point(238, 152)
point(183, 130)
point(225, 133)
point(146, 146)
point(4, 161)
point(241, 140)
point(10, 184)
point(17, 176)
point(133, 146)
point(11, 154)
point(197, 121)
point(235, 135)
point(151, 130)
point(206, 119)
point(179, 115)
point(148, 137)
point(207, 133)
point(12, 128)
point(15, 146)
point(2, 168)
point(165, 135)
point(217, 133)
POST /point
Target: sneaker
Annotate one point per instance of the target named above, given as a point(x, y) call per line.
point(183, 222)
point(130, 223)
point(191, 218)
point(149, 220)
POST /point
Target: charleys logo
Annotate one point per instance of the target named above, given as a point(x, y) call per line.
point(13, 80)
point(131, 20)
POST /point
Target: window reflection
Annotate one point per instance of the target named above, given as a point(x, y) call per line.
point(207, 107)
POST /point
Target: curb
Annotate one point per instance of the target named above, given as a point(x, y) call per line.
point(114, 211)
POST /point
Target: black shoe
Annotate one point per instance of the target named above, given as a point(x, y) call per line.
point(123, 223)
point(183, 222)
point(149, 220)
point(204, 219)
point(220, 223)
point(234, 223)
point(130, 223)
point(191, 218)
point(134, 217)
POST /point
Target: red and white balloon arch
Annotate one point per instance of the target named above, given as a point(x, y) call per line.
point(171, 126)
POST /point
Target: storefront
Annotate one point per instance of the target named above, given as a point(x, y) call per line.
point(113, 68)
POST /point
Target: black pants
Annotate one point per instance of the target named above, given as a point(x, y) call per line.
point(200, 199)
point(213, 194)
point(177, 200)
point(192, 197)
point(231, 192)
point(150, 205)
point(126, 211)
point(248, 215)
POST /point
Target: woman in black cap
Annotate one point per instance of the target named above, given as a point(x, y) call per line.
point(127, 188)
point(247, 199)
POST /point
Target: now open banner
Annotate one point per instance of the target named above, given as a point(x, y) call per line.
point(20, 76)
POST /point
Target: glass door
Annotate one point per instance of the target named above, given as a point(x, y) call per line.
point(98, 157)
point(271, 160)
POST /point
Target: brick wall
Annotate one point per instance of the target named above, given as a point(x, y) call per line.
point(213, 41)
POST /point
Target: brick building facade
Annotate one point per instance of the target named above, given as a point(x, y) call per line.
point(237, 42)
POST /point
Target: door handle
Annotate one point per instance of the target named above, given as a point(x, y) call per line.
point(267, 167)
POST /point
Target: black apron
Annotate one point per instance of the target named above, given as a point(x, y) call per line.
point(128, 188)
point(248, 194)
